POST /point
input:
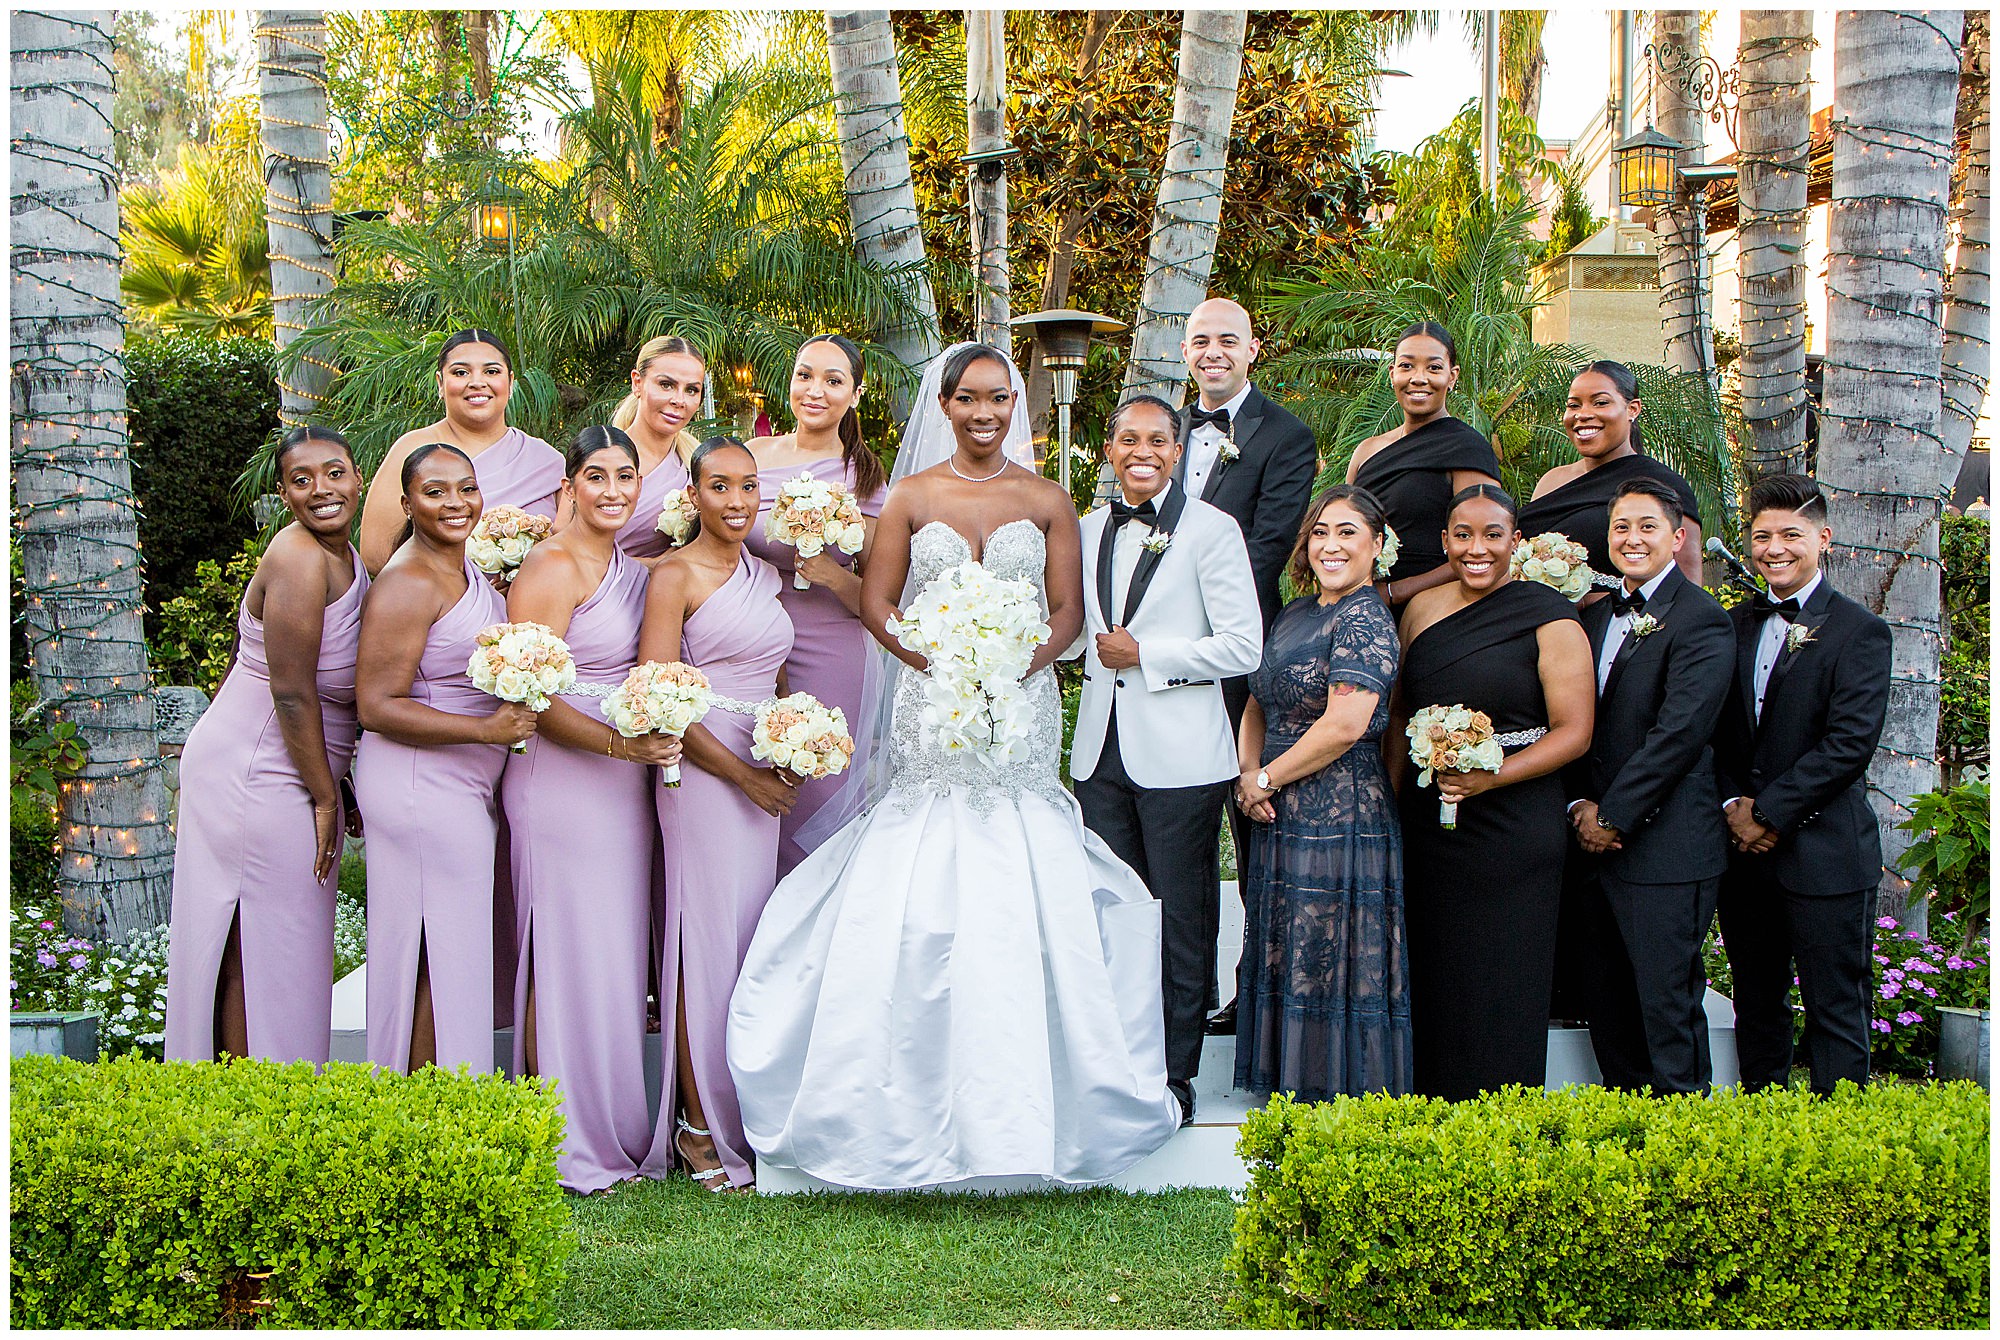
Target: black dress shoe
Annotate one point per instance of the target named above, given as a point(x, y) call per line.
point(1183, 1093)
point(1222, 1024)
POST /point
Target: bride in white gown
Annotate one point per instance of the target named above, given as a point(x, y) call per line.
point(962, 982)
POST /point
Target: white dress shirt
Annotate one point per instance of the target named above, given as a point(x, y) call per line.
point(1621, 624)
point(1205, 443)
point(1771, 643)
point(1125, 552)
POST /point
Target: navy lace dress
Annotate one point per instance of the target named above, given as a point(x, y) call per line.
point(1324, 1007)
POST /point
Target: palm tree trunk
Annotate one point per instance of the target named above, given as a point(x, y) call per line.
point(1069, 227)
point(875, 160)
point(986, 183)
point(1968, 292)
point(1188, 213)
point(1775, 118)
point(298, 189)
point(1895, 89)
point(74, 514)
point(1684, 278)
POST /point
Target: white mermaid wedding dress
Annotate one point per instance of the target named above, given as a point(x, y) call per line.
point(963, 982)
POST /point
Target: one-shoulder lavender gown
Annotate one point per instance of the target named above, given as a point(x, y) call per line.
point(245, 847)
point(640, 537)
point(525, 472)
point(721, 854)
point(520, 471)
point(582, 825)
point(432, 815)
point(830, 648)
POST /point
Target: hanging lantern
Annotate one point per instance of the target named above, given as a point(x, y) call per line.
point(1646, 169)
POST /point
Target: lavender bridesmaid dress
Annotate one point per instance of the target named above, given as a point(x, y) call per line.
point(520, 471)
point(640, 537)
point(721, 854)
point(433, 820)
point(583, 826)
point(830, 648)
point(245, 847)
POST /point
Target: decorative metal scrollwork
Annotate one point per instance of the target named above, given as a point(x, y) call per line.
point(1703, 81)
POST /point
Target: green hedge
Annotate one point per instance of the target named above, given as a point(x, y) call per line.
point(1602, 1209)
point(149, 1195)
point(198, 410)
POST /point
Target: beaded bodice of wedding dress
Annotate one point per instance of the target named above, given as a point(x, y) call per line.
point(1014, 550)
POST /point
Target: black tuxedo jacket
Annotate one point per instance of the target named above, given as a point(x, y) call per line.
point(1265, 489)
point(1806, 763)
point(1651, 768)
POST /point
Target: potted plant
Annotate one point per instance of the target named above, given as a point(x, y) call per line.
point(1949, 863)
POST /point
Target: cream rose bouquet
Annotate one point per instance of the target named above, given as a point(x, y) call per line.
point(812, 515)
point(1392, 548)
point(1554, 560)
point(659, 698)
point(800, 733)
point(678, 519)
point(521, 663)
point(979, 633)
point(1452, 739)
point(503, 538)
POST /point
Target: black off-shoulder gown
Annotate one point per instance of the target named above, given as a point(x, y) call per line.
point(1481, 898)
point(1581, 509)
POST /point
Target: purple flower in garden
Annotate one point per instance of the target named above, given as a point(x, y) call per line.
point(1889, 990)
point(1879, 1025)
point(1931, 991)
point(1893, 975)
point(1886, 923)
point(1955, 963)
point(78, 960)
point(45, 958)
point(1909, 1017)
point(1883, 961)
point(48, 925)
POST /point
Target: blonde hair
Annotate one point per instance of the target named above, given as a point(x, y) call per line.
point(627, 412)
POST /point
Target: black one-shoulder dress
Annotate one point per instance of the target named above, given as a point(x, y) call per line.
point(1480, 899)
point(1581, 509)
point(1411, 478)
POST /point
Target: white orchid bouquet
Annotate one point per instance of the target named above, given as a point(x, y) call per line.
point(800, 733)
point(659, 698)
point(503, 538)
point(1452, 739)
point(678, 519)
point(1556, 561)
point(812, 515)
point(522, 663)
point(979, 633)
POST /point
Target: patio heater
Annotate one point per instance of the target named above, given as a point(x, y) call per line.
point(1063, 335)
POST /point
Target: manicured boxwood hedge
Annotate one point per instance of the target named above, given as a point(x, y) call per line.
point(1600, 1209)
point(150, 1195)
point(197, 409)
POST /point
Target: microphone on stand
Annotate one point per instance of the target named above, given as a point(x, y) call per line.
point(1739, 574)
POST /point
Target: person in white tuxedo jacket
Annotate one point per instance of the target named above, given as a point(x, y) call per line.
point(1170, 610)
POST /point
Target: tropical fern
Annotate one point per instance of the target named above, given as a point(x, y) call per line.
point(195, 244)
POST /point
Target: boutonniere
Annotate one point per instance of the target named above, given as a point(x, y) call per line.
point(1391, 547)
point(1226, 450)
point(1796, 636)
point(1642, 625)
point(1157, 542)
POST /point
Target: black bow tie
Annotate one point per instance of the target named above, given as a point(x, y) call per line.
point(1122, 511)
point(1787, 610)
point(1197, 416)
point(1632, 603)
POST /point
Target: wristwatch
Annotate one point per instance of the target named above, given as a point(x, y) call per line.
point(1264, 781)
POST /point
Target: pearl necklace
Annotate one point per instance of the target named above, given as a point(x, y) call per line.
point(952, 461)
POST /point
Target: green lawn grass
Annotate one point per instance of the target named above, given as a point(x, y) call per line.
point(667, 1254)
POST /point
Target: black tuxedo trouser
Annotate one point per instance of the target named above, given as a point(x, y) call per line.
point(1167, 834)
point(1647, 1023)
point(1769, 930)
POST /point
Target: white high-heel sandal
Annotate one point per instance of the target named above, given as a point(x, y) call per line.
point(707, 1177)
